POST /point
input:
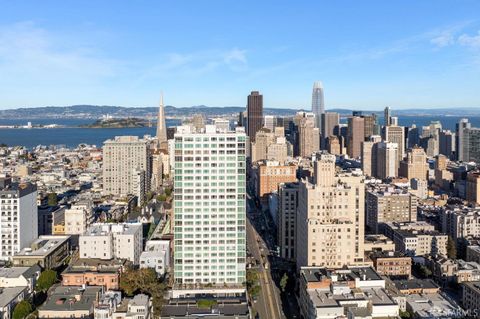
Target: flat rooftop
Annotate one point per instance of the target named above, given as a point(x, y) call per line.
point(43, 246)
point(73, 298)
point(105, 229)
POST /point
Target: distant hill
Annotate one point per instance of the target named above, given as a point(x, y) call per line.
point(96, 111)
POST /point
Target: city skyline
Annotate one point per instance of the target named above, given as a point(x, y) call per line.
point(59, 55)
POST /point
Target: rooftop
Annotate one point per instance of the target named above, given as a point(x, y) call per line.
point(43, 246)
point(15, 272)
point(8, 294)
point(72, 298)
point(415, 284)
point(105, 229)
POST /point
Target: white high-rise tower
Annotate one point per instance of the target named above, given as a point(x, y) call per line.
point(161, 127)
point(318, 104)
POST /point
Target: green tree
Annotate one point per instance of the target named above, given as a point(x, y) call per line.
point(168, 191)
point(52, 199)
point(46, 280)
point(162, 198)
point(451, 248)
point(405, 314)
point(284, 282)
point(144, 281)
point(22, 309)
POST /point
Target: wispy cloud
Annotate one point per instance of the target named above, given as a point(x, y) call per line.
point(33, 52)
point(472, 41)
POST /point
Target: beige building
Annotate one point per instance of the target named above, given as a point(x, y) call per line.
point(387, 160)
point(396, 134)
point(308, 137)
point(473, 187)
point(392, 264)
point(415, 164)
point(334, 145)
point(369, 155)
point(386, 203)
point(271, 174)
point(330, 221)
point(287, 216)
point(78, 218)
point(126, 166)
point(270, 145)
point(471, 296)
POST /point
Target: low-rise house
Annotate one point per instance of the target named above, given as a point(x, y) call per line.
point(20, 277)
point(416, 286)
point(49, 252)
point(94, 272)
point(432, 306)
point(9, 297)
point(156, 256)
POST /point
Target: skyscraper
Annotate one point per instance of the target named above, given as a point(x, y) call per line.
point(254, 114)
point(318, 104)
point(387, 116)
point(308, 137)
point(161, 127)
point(209, 207)
point(415, 164)
point(329, 123)
point(355, 135)
point(396, 134)
point(387, 160)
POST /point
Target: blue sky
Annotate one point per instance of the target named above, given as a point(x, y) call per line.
point(368, 54)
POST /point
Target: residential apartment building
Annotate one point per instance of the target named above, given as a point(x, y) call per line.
point(473, 187)
point(19, 216)
point(78, 217)
point(392, 264)
point(108, 241)
point(460, 221)
point(415, 165)
point(156, 255)
point(271, 174)
point(330, 220)
point(387, 203)
point(209, 207)
point(126, 166)
point(287, 215)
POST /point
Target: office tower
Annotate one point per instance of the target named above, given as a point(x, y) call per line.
point(462, 147)
point(473, 187)
point(387, 116)
point(396, 134)
point(385, 203)
point(270, 122)
point(308, 137)
point(413, 136)
point(369, 155)
point(370, 125)
point(468, 142)
point(329, 123)
point(287, 215)
point(355, 136)
point(318, 103)
point(126, 167)
point(447, 143)
point(270, 174)
point(263, 139)
point(415, 164)
point(387, 160)
point(242, 119)
point(19, 224)
point(254, 114)
point(161, 127)
point(330, 221)
point(333, 145)
point(209, 207)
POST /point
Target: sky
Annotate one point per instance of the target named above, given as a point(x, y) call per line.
point(368, 54)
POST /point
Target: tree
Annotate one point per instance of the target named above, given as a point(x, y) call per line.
point(405, 314)
point(168, 191)
point(284, 282)
point(144, 281)
point(22, 309)
point(46, 280)
point(162, 198)
point(52, 199)
point(451, 248)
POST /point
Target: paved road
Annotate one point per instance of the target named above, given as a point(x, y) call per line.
point(268, 304)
